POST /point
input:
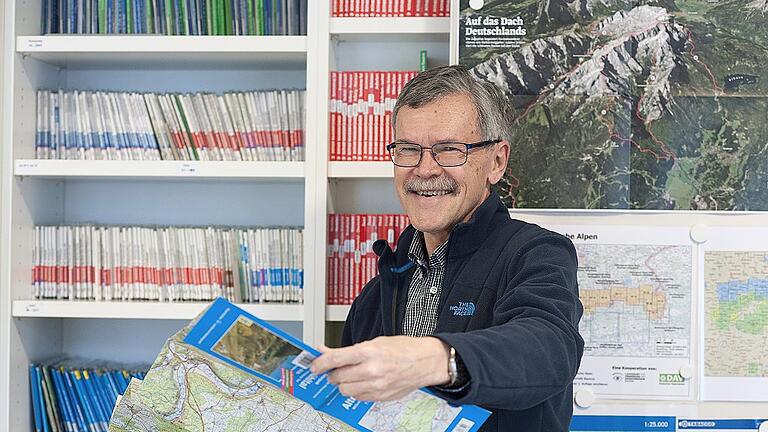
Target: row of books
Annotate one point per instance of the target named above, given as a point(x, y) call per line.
point(89, 262)
point(351, 260)
point(175, 17)
point(361, 113)
point(74, 398)
point(391, 8)
point(254, 125)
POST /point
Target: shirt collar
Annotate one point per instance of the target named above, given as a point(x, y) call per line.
point(417, 253)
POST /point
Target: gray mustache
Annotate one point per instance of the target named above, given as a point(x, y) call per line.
point(418, 184)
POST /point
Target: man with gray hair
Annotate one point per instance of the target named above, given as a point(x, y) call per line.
point(481, 308)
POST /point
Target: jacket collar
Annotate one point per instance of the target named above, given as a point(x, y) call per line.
point(465, 238)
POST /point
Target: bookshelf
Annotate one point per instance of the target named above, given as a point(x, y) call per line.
point(182, 193)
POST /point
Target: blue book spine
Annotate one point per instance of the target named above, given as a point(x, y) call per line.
point(99, 410)
point(110, 383)
point(41, 399)
point(61, 395)
point(35, 390)
point(73, 16)
point(77, 410)
point(106, 399)
point(109, 389)
point(82, 399)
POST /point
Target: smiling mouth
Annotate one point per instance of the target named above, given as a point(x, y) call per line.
point(432, 193)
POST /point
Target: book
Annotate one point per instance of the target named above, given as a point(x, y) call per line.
point(351, 262)
point(174, 17)
point(76, 395)
point(390, 8)
point(361, 104)
point(110, 263)
point(98, 125)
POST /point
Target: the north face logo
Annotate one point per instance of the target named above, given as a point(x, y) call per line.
point(463, 309)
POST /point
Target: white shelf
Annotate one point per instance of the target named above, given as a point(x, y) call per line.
point(390, 25)
point(158, 169)
point(360, 170)
point(337, 312)
point(143, 310)
point(166, 51)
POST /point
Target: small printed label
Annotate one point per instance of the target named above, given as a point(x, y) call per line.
point(32, 307)
point(34, 43)
point(188, 169)
point(464, 425)
point(303, 360)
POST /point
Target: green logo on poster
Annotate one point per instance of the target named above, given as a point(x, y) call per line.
point(671, 379)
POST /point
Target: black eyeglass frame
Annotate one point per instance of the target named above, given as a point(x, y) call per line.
point(468, 147)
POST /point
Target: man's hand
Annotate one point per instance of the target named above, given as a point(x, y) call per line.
point(385, 368)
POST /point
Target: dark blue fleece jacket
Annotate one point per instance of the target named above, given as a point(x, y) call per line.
point(509, 305)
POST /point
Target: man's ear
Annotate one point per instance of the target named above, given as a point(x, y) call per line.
point(500, 155)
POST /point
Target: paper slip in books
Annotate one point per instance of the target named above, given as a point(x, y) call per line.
point(229, 370)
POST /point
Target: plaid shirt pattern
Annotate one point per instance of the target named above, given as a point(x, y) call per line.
point(424, 290)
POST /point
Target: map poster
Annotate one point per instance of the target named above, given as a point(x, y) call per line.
point(733, 265)
point(626, 104)
point(635, 285)
point(242, 340)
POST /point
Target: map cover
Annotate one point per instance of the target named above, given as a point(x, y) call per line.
point(230, 371)
point(627, 104)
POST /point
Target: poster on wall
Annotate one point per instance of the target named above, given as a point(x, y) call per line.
point(733, 267)
point(635, 284)
point(626, 104)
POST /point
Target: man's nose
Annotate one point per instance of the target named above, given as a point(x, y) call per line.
point(428, 166)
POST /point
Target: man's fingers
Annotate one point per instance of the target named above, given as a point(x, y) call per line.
point(334, 358)
point(352, 373)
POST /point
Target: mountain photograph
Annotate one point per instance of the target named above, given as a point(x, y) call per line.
point(621, 104)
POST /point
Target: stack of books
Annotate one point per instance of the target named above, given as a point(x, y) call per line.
point(351, 260)
point(391, 8)
point(255, 125)
point(361, 113)
point(76, 398)
point(175, 17)
point(88, 262)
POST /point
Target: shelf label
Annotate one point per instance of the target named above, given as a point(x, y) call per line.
point(188, 169)
point(27, 165)
point(31, 307)
point(34, 43)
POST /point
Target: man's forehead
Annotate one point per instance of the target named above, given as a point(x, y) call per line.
point(452, 117)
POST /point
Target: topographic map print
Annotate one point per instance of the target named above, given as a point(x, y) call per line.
point(637, 300)
point(188, 390)
point(628, 104)
point(736, 311)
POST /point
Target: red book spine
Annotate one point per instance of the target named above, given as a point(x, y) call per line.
point(359, 139)
point(329, 261)
point(343, 292)
point(332, 117)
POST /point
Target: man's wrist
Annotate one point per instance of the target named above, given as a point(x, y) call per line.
point(439, 363)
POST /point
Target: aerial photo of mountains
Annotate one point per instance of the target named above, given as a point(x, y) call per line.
point(622, 104)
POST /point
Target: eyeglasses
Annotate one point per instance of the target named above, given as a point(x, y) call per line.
point(446, 154)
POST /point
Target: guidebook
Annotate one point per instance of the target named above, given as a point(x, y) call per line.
point(229, 370)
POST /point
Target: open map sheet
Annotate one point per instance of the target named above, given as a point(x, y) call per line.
point(230, 371)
